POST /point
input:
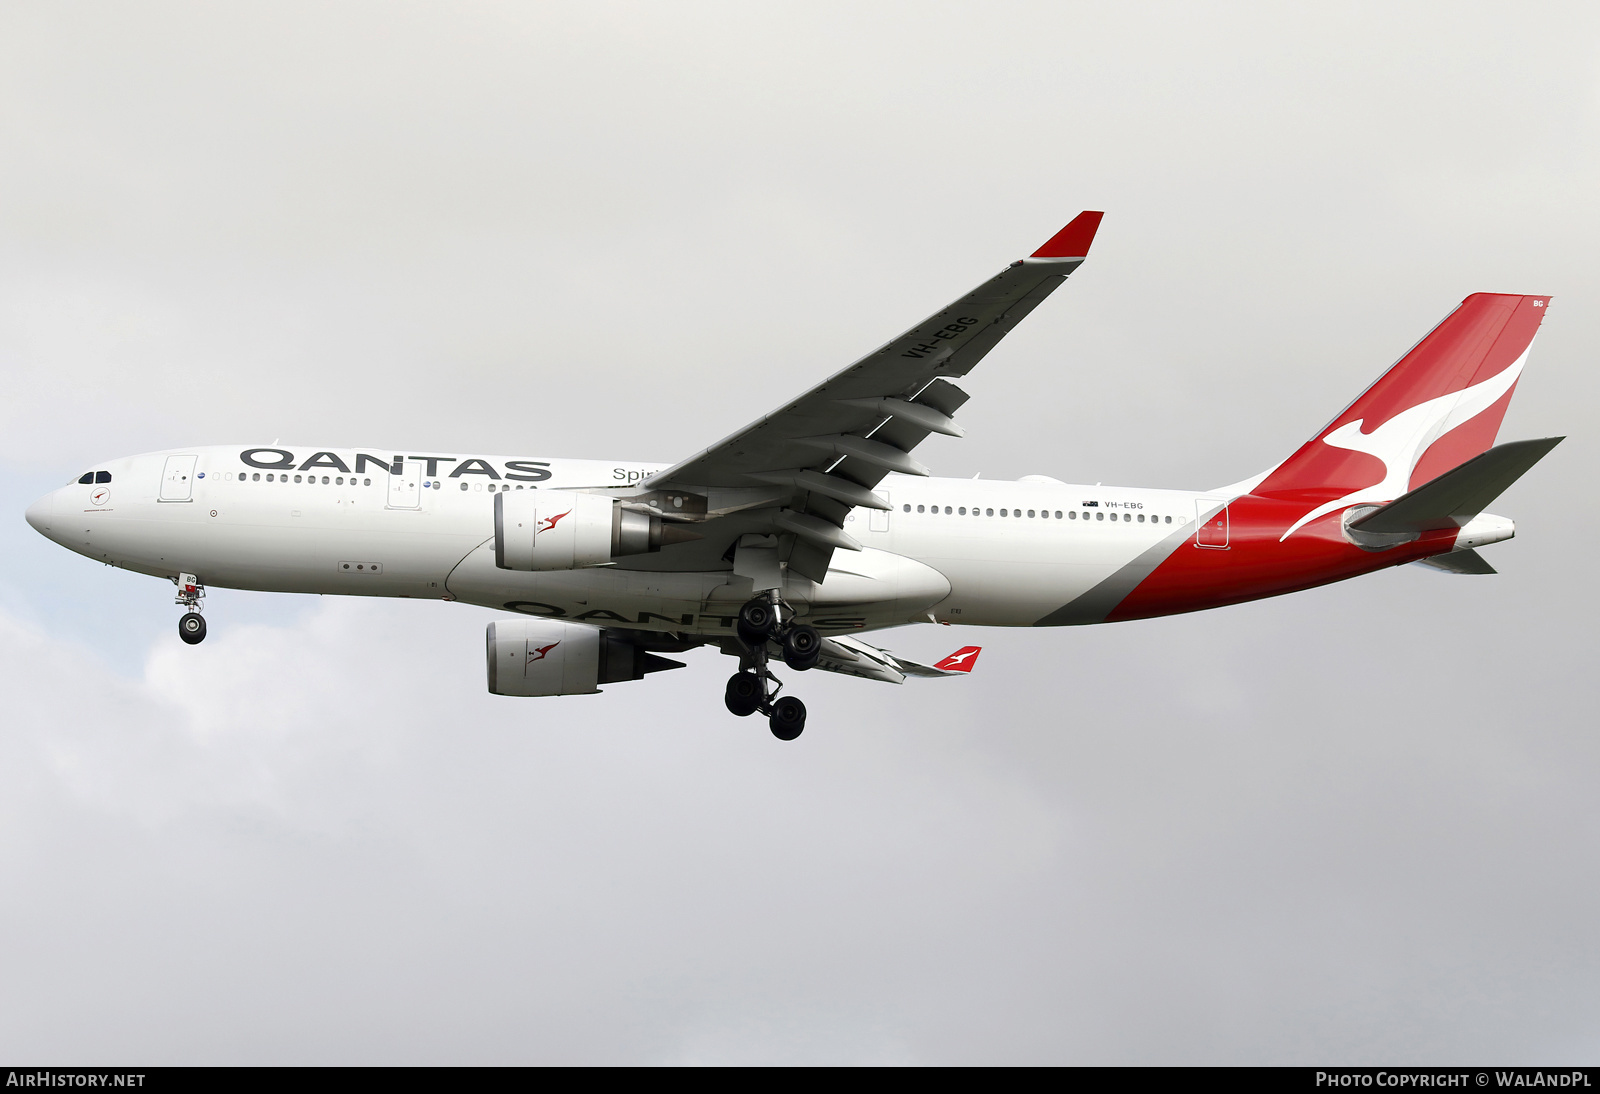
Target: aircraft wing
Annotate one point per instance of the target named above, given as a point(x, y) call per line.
point(852, 657)
point(806, 465)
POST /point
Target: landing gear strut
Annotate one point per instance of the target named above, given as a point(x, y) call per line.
point(192, 627)
point(755, 688)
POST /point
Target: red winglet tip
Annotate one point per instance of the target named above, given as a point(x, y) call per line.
point(1073, 240)
point(962, 660)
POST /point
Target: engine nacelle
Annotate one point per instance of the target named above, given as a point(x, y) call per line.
point(557, 530)
point(549, 657)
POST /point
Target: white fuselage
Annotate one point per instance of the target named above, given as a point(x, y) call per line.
point(991, 553)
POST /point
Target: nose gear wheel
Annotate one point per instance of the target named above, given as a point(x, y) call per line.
point(192, 628)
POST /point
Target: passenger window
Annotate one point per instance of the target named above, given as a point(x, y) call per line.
point(1169, 520)
point(256, 477)
point(324, 480)
point(1100, 516)
point(1030, 512)
point(269, 476)
point(1058, 514)
point(919, 508)
point(338, 481)
point(1141, 518)
point(1073, 515)
point(988, 512)
point(297, 478)
point(463, 486)
point(947, 510)
point(365, 482)
point(907, 507)
point(1003, 513)
point(962, 511)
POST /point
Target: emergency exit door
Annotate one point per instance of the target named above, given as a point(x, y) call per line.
point(1211, 528)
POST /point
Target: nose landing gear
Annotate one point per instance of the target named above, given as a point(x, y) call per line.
point(192, 627)
point(755, 688)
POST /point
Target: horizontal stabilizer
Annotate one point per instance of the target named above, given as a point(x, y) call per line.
point(1459, 562)
point(1458, 495)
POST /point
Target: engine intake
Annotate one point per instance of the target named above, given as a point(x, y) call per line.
point(549, 657)
point(555, 530)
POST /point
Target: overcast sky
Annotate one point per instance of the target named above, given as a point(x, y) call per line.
point(1352, 825)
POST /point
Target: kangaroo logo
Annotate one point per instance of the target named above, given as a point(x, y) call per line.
point(960, 661)
point(549, 523)
point(1401, 441)
point(540, 653)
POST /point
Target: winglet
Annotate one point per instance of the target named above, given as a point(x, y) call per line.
point(1073, 240)
point(961, 661)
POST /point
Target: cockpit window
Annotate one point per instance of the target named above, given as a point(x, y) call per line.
point(102, 476)
point(88, 477)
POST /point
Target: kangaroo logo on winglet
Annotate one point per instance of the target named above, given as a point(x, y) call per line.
point(962, 660)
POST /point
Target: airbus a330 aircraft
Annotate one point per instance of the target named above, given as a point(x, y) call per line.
point(814, 524)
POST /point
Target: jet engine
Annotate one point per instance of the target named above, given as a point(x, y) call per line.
point(549, 657)
point(556, 530)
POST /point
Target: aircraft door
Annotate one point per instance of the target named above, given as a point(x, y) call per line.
point(405, 489)
point(177, 478)
point(1211, 523)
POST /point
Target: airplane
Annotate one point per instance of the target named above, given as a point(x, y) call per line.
point(814, 524)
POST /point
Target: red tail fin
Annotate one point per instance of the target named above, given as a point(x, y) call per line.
point(1436, 408)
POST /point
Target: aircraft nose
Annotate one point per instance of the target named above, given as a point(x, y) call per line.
point(41, 513)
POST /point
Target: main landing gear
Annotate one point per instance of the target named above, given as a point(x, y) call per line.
point(755, 688)
point(192, 627)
